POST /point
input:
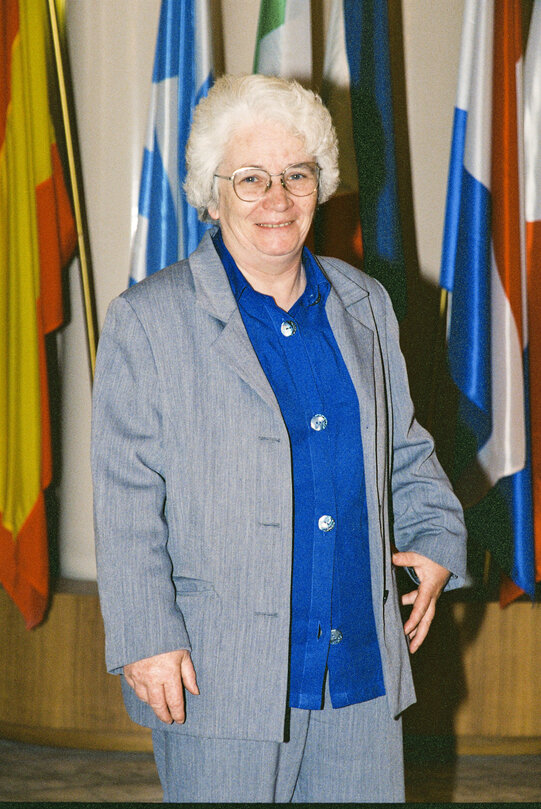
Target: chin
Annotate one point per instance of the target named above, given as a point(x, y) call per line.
point(279, 249)
point(279, 243)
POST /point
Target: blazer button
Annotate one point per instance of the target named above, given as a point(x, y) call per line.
point(336, 636)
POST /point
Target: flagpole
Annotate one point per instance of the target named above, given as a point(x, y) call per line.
point(82, 235)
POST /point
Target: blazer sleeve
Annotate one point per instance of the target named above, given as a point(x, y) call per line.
point(137, 593)
point(427, 516)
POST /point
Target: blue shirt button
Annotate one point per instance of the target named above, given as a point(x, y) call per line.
point(326, 523)
point(288, 328)
point(318, 422)
point(336, 636)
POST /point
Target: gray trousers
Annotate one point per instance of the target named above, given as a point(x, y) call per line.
point(351, 754)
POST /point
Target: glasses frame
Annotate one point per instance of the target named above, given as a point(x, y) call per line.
point(280, 174)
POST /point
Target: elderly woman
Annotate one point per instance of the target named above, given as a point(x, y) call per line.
point(253, 444)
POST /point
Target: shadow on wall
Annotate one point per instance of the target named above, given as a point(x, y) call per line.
point(440, 683)
point(429, 726)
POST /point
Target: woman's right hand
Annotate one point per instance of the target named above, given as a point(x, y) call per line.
point(160, 681)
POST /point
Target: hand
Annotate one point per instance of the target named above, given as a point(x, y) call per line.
point(159, 681)
point(432, 578)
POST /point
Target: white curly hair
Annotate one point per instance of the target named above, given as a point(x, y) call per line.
point(233, 103)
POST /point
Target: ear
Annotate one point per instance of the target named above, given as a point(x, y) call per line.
point(213, 211)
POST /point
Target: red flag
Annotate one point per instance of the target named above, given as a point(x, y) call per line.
point(37, 236)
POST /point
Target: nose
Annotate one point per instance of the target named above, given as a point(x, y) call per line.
point(277, 195)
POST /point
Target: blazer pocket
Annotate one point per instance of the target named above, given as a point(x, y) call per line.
point(186, 586)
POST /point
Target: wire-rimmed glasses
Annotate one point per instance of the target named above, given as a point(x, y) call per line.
point(251, 183)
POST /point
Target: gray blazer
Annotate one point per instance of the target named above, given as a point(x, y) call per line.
point(193, 491)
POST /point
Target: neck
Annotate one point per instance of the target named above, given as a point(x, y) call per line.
point(285, 286)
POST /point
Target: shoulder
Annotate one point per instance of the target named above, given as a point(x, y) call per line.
point(175, 286)
point(163, 285)
point(169, 302)
point(144, 310)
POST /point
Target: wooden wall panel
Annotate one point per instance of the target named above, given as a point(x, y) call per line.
point(502, 664)
point(54, 688)
point(477, 679)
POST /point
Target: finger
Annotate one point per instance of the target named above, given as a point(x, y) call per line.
point(420, 606)
point(409, 598)
point(129, 679)
point(189, 678)
point(422, 630)
point(410, 637)
point(174, 696)
point(140, 689)
point(405, 559)
point(158, 703)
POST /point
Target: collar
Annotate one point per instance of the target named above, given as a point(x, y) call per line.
point(317, 286)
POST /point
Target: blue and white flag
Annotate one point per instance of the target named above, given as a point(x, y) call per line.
point(167, 227)
point(483, 266)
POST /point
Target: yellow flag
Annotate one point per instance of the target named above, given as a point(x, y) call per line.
point(37, 236)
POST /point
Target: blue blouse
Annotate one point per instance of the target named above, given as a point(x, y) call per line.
point(332, 618)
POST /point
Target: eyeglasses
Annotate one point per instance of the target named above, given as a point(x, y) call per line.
point(251, 183)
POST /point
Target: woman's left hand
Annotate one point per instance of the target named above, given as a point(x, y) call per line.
point(432, 579)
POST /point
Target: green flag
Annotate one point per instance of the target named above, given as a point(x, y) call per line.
point(284, 40)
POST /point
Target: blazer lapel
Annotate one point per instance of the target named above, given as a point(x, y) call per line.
point(351, 318)
point(236, 350)
point(214, 296)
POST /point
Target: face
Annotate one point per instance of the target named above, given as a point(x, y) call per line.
point(266, 235)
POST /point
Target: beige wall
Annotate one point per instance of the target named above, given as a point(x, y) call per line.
point(432, 30)
point(112, 46)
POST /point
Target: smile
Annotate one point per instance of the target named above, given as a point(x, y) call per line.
point(280, 225)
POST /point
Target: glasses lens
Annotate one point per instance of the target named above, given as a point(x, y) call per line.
point(250, 184)
point(302, 179)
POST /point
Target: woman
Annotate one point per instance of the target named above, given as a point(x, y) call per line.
point(252, 435)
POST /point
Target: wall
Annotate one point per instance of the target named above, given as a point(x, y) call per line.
point(112, 47)
point(432, 30)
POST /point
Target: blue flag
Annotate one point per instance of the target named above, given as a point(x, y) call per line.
point(168, 228)
point(367, 45)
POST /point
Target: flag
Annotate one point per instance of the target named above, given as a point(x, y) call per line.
point(532, 162)
point(37, 237)
point(167, 227)
point(338, 227)
point(284, 40)
point(361, 224)
point(366, 27)
point(357, 89)
point(483, 266)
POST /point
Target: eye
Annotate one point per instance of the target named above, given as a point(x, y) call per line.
point(250, 178)
point(300, 173)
